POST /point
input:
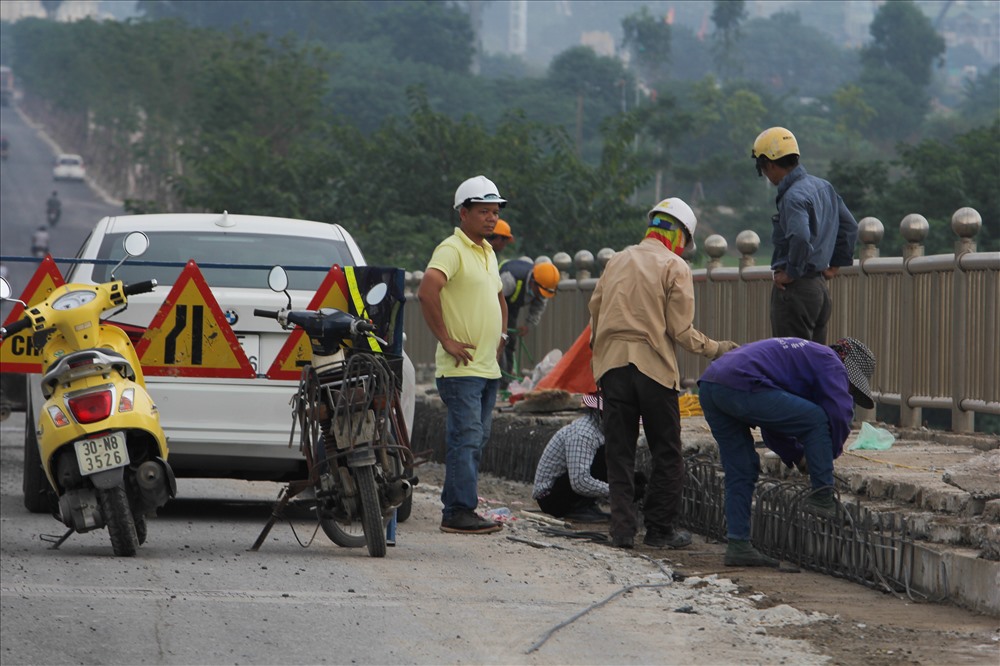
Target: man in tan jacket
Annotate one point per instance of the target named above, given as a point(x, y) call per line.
point(642, 306)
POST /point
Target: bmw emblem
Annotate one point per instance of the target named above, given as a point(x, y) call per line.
point(232, 317)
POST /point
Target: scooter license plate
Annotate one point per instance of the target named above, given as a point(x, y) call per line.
point(100, 453)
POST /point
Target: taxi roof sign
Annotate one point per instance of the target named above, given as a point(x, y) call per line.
point(189, 335)
point(17, 354)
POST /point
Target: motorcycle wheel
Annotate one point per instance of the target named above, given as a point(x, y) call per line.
point(346, 534)
point(371, 511)
point(118, 516)
point(38, 495)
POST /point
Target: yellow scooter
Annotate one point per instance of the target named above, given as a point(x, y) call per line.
point(99, 436)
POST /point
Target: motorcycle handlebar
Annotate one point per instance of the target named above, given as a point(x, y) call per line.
point(139, 287)
point(362, 326)
point(270, 314)
point(16, 327)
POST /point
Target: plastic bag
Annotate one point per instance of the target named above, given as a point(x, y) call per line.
point(872, 438)
point(545, 366)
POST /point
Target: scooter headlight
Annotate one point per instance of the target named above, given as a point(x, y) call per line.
point(91, 407)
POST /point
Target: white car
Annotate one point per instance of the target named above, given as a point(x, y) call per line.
point(69, 167)
point(219, 427)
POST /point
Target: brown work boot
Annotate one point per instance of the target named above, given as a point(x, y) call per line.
point(469, 522)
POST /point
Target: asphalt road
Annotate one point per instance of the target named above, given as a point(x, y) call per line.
point(195, 595)
point(25, 185)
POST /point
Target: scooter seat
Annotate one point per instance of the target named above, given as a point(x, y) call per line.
point(85, 363)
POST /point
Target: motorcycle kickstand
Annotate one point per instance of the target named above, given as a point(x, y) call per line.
point(56, 540)
point(284, 497)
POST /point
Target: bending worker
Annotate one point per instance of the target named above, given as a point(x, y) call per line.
point(525, 284)
point(801, 395)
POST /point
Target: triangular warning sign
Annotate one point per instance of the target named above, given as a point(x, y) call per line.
point(190, 337)
point(16, 353)
point(332, 293)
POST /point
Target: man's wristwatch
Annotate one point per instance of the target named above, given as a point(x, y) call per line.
point(504, 337)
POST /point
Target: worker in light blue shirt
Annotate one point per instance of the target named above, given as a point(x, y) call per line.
point(813, 234)
point(801, 395)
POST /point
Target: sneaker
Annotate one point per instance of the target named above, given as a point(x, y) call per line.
point(469, 522)
point(743, 554)
point(670, 538)
point(590, 514)
point(622, 542)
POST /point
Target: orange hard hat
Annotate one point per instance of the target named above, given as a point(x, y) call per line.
point(503, 229)
point(547, 277)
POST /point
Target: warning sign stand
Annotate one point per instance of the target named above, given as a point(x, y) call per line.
point(17, 354)
point(189, 335)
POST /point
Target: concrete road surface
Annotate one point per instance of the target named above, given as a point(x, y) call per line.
point(195, 595)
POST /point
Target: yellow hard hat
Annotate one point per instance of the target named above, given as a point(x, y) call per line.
point(503, 229)
point(774, 143)
point(547, 277)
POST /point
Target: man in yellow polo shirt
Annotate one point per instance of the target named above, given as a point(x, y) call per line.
point(462, 300)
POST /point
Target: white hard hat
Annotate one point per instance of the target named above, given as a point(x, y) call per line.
point(479, 189)
point(679, 210)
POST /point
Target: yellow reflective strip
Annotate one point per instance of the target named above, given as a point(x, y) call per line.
point(359, 303)
point(517, 290)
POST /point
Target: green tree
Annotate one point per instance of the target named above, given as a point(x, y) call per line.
point(787, 56)
point(647, 39)
point(727, 15)
point(903, 40)
point(267, 158)
point(933, 178)
point(980, 99)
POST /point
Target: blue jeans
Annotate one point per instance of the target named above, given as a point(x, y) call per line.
point(470, 402)
point(731, 413)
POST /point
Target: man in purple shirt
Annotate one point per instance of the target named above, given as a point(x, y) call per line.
point(801, 394)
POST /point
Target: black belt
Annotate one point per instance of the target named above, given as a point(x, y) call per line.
point(813, 274)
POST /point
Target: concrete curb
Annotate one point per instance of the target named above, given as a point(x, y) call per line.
point(951, 529)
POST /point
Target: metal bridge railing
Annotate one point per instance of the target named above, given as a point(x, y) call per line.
point(931, 321)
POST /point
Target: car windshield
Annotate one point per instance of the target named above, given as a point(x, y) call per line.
point(69, 161)
point(259, 252)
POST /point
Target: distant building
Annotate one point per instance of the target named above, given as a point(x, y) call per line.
point(67, 11)
point(980, 32)
point(600, 41)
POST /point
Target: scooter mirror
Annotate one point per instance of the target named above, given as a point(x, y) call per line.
point(4, 289)
point(136, 244)
point(376, 294)
point(277, 279)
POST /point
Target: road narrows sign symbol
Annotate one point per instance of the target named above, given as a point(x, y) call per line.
point(296, 352)
point(189, 335)
point(17, 353)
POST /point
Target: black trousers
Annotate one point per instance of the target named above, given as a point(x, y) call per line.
point(562, 499)
point(629, 394)
point(802, 309)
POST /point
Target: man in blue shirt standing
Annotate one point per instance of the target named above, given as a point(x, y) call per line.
point(813, 236)
point(801, 395)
